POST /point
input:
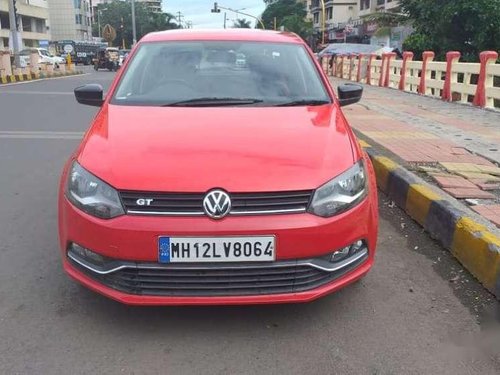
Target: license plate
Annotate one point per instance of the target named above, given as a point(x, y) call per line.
point(216, 249)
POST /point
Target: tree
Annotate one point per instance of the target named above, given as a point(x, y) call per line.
point(242, 24)
point(298, 25)
point(281, 9)
point(118, 14)
point(290, 14)
point(445, 25)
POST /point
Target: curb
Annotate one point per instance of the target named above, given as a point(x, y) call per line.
point(474, 246)
point(34, 76)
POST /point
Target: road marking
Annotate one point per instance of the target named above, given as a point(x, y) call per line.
point(42, 79)
point(13, 134)
point(38, 92)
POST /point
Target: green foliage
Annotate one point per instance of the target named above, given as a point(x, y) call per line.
point(387, 19)
point(298, 25)
point(290, 14)
point(281, 9)
point(242, 24)
point(119, 15)
point(468, 26)
point(418, 43)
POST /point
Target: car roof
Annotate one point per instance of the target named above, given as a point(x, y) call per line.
point(250, 35)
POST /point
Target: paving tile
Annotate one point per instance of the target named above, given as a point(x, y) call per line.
point(452, 181)
point(469, 193)
point(459, 151)
point(478, 177)
point(489, 186)
point(490, 170)
point(490, 212)
point(400, 134)
point(461, 167)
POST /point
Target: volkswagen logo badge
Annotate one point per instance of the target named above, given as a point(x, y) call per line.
point(217, 204)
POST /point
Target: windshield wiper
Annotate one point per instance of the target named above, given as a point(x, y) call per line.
point(213, 102)
point(303, 102)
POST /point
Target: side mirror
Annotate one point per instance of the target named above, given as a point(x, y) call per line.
point(91, 94)
point(349, 93)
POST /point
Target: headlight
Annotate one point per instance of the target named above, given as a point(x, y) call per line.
point(341, 193)
point(92, 195)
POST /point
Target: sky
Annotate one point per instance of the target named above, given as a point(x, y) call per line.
point(198, 11)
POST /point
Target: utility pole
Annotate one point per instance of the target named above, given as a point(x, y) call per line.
point(99, 15)
point(14, 28)
point(134, 30)
point(225, 19)
point(179, 17)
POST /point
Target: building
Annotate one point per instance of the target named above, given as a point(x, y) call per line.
point(346, 21)
point(340, 14)
point(154, 5)
point(387, 36)
point(70, 19)
point(33, 23)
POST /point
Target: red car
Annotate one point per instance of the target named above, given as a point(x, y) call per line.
point(220, 169)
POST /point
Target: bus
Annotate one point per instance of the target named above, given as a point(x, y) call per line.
point(82, 52)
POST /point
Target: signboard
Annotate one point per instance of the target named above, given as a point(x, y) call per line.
point(370, 28)
point(43, 43)
point(68, 48)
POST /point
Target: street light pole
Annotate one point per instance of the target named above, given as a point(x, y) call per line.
point(323, 23)
point(134, 31)
point(14, 31)
point(99, 15)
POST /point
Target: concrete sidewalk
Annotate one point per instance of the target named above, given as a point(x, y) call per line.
point(455, 147)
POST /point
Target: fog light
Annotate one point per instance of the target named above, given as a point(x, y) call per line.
point(86, 254)
point(341, 254)
point(357, 246)
point(348, 251)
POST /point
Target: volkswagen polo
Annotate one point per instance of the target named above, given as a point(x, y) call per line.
point(205, 180)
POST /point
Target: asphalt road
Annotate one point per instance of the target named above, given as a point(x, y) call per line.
point(417, 312)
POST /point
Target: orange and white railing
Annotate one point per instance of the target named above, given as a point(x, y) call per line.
point(450, 80)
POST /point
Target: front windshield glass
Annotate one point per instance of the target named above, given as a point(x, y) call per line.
point(249, 73)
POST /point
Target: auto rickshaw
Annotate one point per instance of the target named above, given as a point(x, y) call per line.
point(107, 58)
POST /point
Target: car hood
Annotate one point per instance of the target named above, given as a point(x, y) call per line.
point(253, 149)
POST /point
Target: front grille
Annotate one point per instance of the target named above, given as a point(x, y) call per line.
point(217, 280)
point(192, 203)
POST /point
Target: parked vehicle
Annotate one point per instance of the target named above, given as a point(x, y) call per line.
point(81, 52)
point(123, 56)
point(107, 58)
point(202, 183)
point(44, 57)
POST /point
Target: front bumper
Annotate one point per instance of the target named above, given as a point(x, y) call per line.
point(151, 300)
point(299, 237)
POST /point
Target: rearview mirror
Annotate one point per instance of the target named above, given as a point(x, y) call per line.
point(91, 94)
point(349, 93)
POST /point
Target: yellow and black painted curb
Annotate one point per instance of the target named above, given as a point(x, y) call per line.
point(34, 76)
point(475, 247)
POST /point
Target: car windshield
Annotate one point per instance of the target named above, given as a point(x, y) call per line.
point(214, 73)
